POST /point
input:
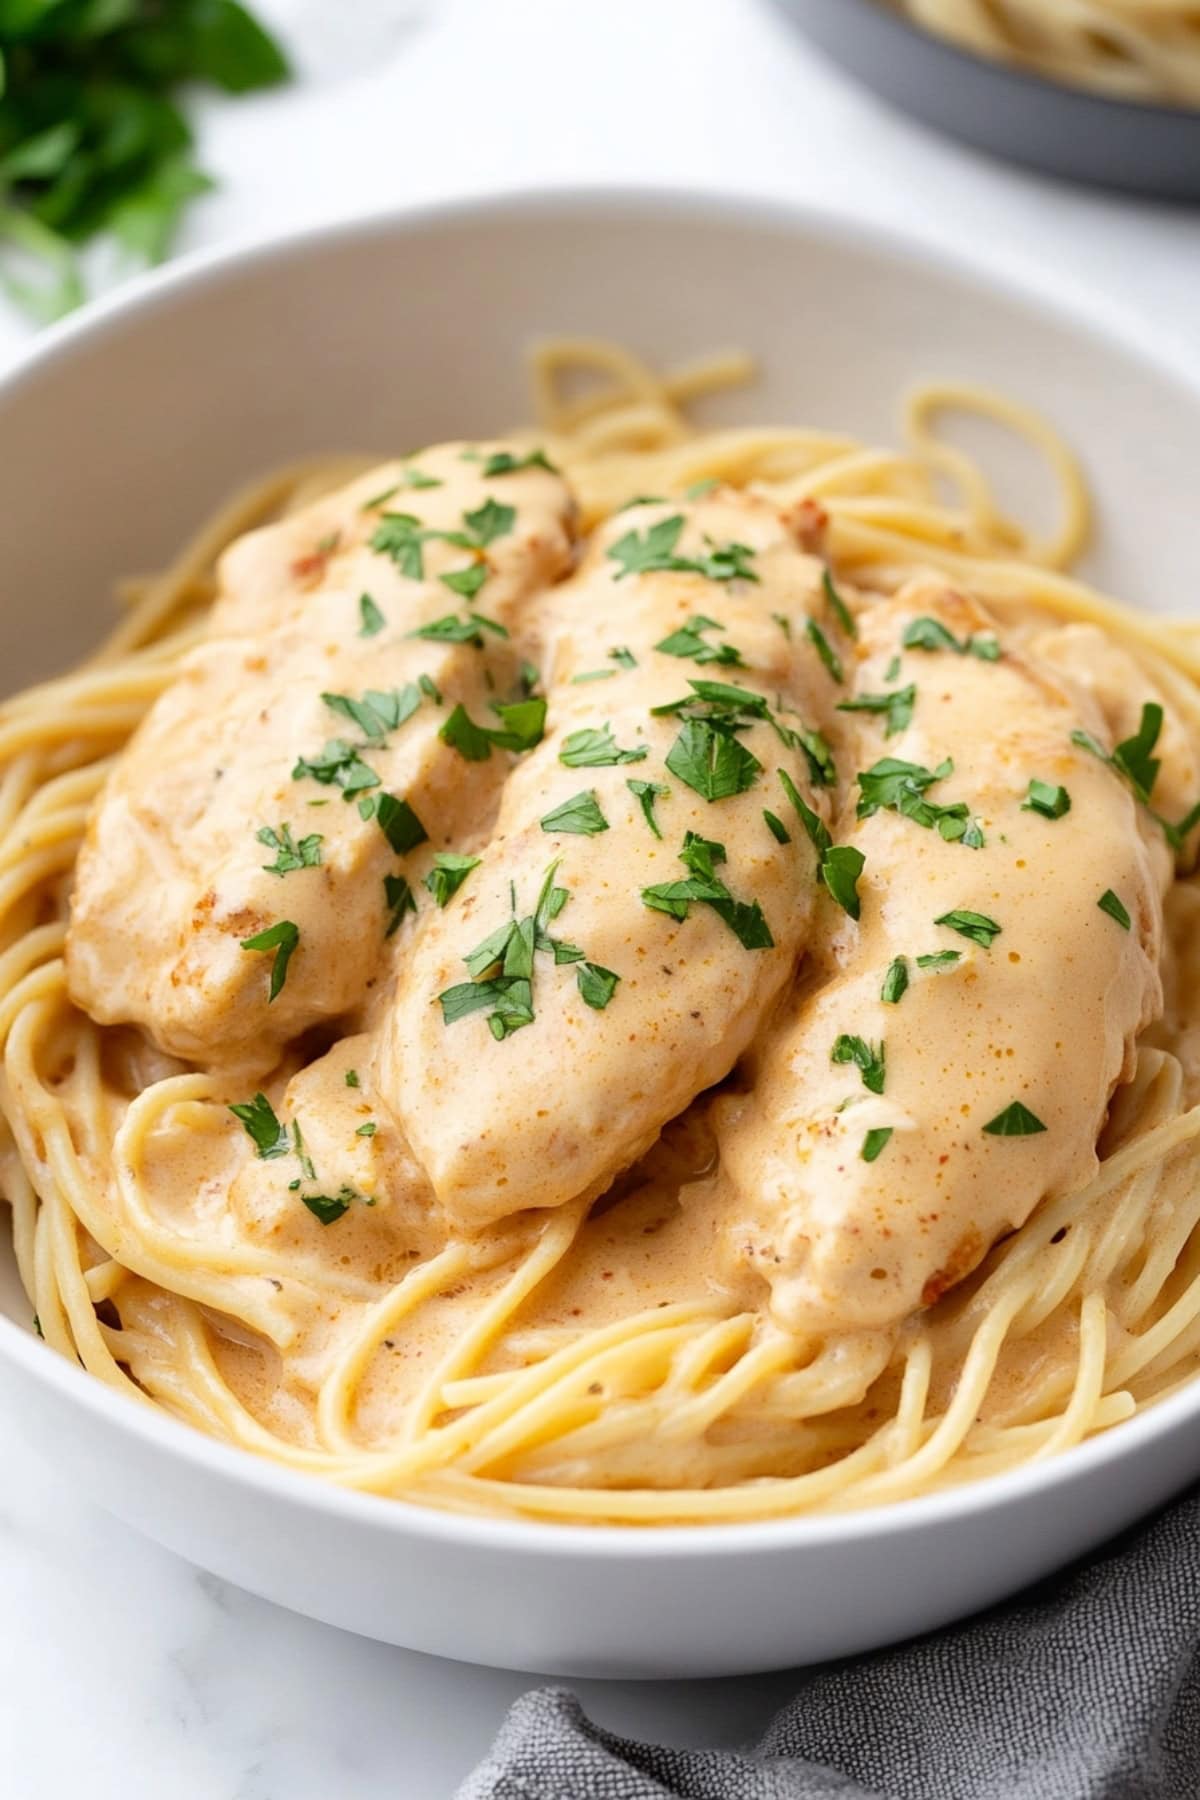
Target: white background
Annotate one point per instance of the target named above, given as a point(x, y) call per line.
point(123, 1672)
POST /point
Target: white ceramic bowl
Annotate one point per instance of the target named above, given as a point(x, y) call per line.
point(119, 432)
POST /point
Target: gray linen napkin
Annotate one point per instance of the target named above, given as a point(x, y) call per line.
point(1087, 1687)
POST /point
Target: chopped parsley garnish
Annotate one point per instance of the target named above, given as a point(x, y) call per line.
point(402, 536)
point(939, 959)
point(592, 675)
point(412, 477)
point(352, 1080)
point(783, 622)
point(467, 582)
point(522, 724)
point(596, 749)
point(976, 926)
point(1015, 1121)
point(398, 823)
point(841, 867)
point(448, 873)
point(488, 522)
point(824, 650)
point(646, 792)
point(328, 1208)
point(307, 1168)
point(379, 711)
point(282, 938)
point(875, 1142)
point(891, 673)
point(708, 758)
point(502, 968)
point(621, 654)
point(896, 786)
point(455, 630)
point(701, 856)
point(508, 462)
point(399, 899)
point(289, 855)
point(1133, 758)
point(818, 832)
point(372, 619)
point(696, 490)
point(895, 982)
point(264, 1129)
point(366, 1130)
point(869, 1060)
point(821, 766)
point(776, 827)
point(931, 634)
point(837, 605)
point(655, 550)
point(689, 642)
point(1111, 904)
point(580, 814)
point(898, 707)
point(1046, 798)
point(430, 689)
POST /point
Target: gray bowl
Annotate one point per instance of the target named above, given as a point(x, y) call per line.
point(1008, 112)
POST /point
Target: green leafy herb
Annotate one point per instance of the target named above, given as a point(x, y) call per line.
point(646, 792)
point(869, 1060)
point(455, 630)
point(373, 620)
point(429, 688)
point(818, 833)
point(580, 814)
point(593, 675)
point(366, 1130)
point(289, 855)
point(897, 786)
point(401, 536)
point(939, 959)
point(621, 654)
point(92, 142)
point(282, 938)
point(507, 462)
point(696, 490)
point(596, 985)
point(825, 650)
point(784, 623)
point(490, 521)
point(892, 672)
point(1133, 758)
point(931, 634)
point(895, 982)
point(264, 1129)
point(837, 605)
point(466, 582)
point(776, 827)
point(1015, 1121)
point(352, 1080)
point(1046, 798)
point(701, 856)
point(875, 1142)
point(329, 1208)
point(711, 761)
point(1111, 904)
point(448, 873)
point(898, 707)
point(596, 749)
point(688, 641)
point(398, 899)
point(655, 549)
point(976, 926)
point(412, 477)
point(522, 724)
point(379, 711)
point(399, 824)
point(471, 741)
point(841, 867)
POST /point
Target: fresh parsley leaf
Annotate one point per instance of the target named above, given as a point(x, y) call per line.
point(821, 766)
point(490, 521)
point(701, 856)
point(373, 620)
point(1133, 754)
point(841, 867)
point(282, 938)
point(596, 985)
point(688, 641)
point(1046, 798)
point(448, 873)
point(875, 1142)
point(399, 824)
point(776, 827)
point(655, 550)
point(1015, 1121)
point(870, 1061)
point(976, 926)
point(429, 688)
point(895, 982)
point(898, 707)
point(366, 1130)
point(784, 623)
point(522, 724)
point(931, 634)
point(711, 761)
point(824, 650)
point(259, 1121)
point(597, 749)
point(466, 582)
point(593, 675)
point(379, 711)
point(398, 899)
point(646, 792)
point(1111, 904)
point(412, 477)
point(455, 630)
point(837, 605)
point(696, 490)
point(897, 786)
point(290, 855)
point(940, 959)
point(329, 1208)
point(352, 1080)
point(507, 462)
point(580, 814)
point(892, 672)
point(818, 834)
point(401, 536)
point(462, 734)
point(621, 654)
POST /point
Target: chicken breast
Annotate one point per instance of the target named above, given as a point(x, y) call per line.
point(950, 1059)
point(264, 830)
point(636, 914)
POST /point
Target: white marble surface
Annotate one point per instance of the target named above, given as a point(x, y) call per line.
point(123, 1672)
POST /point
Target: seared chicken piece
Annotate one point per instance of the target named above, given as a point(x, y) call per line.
point(635, 915)
point(282, 783)
point(950, 1060)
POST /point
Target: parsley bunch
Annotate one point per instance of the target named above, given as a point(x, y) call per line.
point(92, 142)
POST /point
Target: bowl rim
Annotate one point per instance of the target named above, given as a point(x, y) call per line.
point(1020, 75)
point(1029, 287)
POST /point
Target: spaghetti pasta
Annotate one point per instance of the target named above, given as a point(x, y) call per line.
point(577, 1363)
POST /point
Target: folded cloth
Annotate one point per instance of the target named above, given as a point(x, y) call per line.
point(1087, 1687)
